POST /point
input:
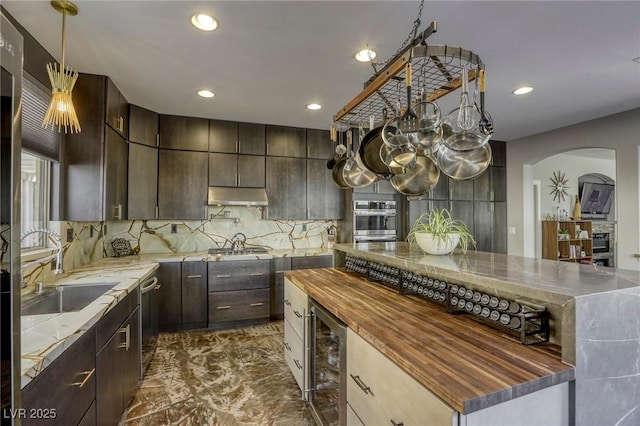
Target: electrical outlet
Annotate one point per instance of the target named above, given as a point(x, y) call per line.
point(69, 235)
point(174, 228)
point(512, 230)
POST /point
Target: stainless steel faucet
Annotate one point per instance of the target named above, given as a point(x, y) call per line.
point(238, 241)
point(55, 237)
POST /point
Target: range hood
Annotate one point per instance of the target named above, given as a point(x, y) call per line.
point(224, 196)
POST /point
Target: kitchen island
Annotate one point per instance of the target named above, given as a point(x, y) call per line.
point(594, 316)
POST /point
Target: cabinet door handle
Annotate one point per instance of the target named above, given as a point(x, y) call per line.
point(298, 314)
point(366, 389)
point(256, 304)
point(287, 347)
point(86, 378)
point(223, 276)
point(286, 302)
point(223, 307)
point(257, 274)
point(297, 364)
point(396, 424)
point(127, 337)
point(193, 276)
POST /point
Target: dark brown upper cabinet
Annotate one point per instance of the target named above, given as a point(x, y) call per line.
point(319, 144)
point(143, 126)
point(251, 138)
point(223, 136)
point(117, 110)
point(286, 141)
point(185, 133)
point(499, 153)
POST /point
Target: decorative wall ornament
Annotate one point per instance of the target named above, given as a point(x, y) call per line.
point(559, 186)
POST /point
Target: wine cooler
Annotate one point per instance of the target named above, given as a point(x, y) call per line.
point(327, 387)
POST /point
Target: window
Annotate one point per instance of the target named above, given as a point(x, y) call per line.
point(35, 198)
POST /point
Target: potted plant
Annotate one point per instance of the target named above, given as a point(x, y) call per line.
point(436, 232)
point(563, 234)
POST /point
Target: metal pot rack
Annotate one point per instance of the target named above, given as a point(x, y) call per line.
point(438, 68)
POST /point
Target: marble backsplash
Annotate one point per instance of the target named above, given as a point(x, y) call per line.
point(155, 236)
point(91, 241)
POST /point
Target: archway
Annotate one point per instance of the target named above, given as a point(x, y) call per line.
point(576, 167)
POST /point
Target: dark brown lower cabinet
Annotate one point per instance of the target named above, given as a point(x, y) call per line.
point(183, 295)
point(238, 293)
point(281, 264)
point(228, 306)
point(89, 418)
point(170, 295)
point(194, 294)
point(65, 390)
point(118, 370)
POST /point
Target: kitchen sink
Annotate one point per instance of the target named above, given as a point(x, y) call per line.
point(64, 298)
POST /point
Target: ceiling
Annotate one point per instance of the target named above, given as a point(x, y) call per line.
point(268, 59)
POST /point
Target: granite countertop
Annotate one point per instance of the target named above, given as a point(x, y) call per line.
point(205, 257)
point(564, 280)
point(470, 366)
point(44, 337)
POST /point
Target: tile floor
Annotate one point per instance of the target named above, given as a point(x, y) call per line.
point(234, 377)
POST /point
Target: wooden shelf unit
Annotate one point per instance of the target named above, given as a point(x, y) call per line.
point(555, 248)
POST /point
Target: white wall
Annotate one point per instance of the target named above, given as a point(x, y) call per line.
point(573, 166)
point(620, 132)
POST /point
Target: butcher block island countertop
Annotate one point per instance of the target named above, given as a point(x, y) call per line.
point(468, 365)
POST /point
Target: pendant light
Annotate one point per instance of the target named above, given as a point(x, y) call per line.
point(61, 112)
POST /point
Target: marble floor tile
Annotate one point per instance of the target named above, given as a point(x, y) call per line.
point(235, 377)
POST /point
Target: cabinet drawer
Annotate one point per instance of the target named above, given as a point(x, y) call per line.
point(294, 354)
point(66, 388)
point(381, 392)
point(115, 317)
point(238, 305)
point(310, 262)
point(239, 275)
point(295, 306)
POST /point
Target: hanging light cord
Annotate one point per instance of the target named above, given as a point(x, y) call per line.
point(412, 35)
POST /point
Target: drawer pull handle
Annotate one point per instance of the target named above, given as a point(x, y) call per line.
point(287, 347)
point(298, 314)
point(257, 274)
point(396, 424)
point(86, 378)
point(223, 276)
point(297, 364)
point(286, 302)
point(257, 304)
point(127, 337)
point(223, 307)
point(194, 276)
point(366, 389)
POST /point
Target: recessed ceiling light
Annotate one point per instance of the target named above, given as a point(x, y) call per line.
point(365, 55)
point(206, 93)
point(522, 90)
point(204, 22)
point(314, 107)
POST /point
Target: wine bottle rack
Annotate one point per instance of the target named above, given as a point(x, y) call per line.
point(522, 318)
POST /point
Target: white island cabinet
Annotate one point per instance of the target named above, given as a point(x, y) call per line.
point(381, 393)
point(296, 307)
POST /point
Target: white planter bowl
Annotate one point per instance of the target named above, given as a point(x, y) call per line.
point(433, 245)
